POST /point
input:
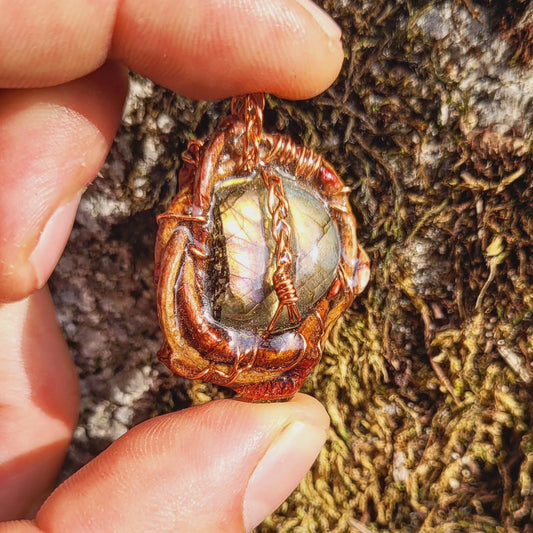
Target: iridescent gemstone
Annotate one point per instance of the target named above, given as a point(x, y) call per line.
point(244, 251)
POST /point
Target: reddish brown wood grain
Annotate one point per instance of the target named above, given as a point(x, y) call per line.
point(259, 367)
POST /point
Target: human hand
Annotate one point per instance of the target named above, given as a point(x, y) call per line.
point(223, 466)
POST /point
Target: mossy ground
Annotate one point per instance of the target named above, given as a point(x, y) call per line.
point(428, 379)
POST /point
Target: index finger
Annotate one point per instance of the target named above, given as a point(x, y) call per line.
point(204, 49)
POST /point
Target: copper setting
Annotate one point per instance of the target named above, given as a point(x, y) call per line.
point(256, 258)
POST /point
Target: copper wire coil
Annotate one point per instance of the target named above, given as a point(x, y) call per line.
point(285, 150)
point(249, 109)
point(285, 290)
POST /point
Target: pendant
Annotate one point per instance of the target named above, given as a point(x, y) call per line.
point(256, 258)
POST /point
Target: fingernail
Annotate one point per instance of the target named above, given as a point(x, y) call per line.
point(323, 19)
point(278, 473)
point(53, 239)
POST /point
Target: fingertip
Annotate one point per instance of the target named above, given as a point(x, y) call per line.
point(280, 470)
point(54, 141)
point(39, 396)
point(217, 49)
point(52, 240)
point(287, 459)
point(19, 526)
point(306, 408)
point(46, 47)
point(189, 471)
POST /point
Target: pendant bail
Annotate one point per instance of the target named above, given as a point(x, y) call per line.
point(249, 110)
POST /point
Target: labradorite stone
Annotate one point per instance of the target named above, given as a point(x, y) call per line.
point(244, 296)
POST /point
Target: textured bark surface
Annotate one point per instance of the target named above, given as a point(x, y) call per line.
point(427, 378)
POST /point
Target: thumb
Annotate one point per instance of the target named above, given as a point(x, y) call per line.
point(223, 466)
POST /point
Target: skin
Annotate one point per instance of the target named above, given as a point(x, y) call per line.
point(63, 74)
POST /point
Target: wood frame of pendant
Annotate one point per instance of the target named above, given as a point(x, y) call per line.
point(258, 367)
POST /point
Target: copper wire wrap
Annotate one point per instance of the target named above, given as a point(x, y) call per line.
point(192, 155)
point(237, 368)
point(278, 207)
point(249, 109)
point(285, 150)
